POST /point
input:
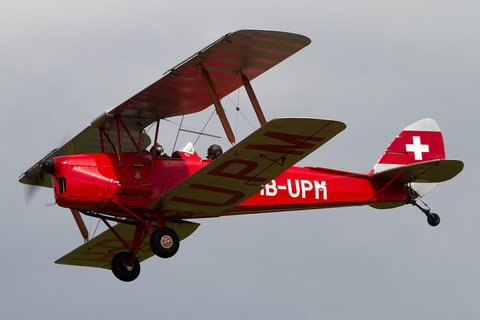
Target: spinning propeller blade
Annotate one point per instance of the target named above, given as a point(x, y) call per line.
point(31, 190)
point(39, 174)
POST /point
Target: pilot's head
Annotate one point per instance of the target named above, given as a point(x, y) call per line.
point(158, 150)
point(214, 151)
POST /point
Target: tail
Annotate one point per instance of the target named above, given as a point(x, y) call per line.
point(417, 157)
point(420, 141)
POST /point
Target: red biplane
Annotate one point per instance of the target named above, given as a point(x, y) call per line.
point(106, 172)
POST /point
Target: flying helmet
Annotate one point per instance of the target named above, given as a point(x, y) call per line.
point(158, 150)
point(214, 151)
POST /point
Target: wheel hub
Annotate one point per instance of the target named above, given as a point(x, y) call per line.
point(128, 267)
point(166, 241)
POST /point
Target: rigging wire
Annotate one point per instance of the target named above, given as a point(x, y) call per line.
point(95, 231)
point(233, 103)
point(191, 129)
point(178, 133)
point(185, 109)
point(201, 132)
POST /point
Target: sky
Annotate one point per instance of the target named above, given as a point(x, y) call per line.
point(378, 66)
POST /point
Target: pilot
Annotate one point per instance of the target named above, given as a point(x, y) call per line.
point(214, 151)
point(159, 153)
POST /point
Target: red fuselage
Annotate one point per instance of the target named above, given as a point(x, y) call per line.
point(98, 182)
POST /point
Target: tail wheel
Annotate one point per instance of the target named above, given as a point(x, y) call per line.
point(433, 219)
point(124, 271)
point(164, 242)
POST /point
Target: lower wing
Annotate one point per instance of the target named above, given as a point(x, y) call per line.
point(242, 171)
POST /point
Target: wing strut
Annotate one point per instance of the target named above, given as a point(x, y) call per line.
point(155, 143)
point(253, 99)
point(133, 141)
point(80, 224)
point(218, 105)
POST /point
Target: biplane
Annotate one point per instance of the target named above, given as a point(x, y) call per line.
point(147, 202)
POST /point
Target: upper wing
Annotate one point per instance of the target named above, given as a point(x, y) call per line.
point(182, 90)
point(240, 172)
point(99, 251)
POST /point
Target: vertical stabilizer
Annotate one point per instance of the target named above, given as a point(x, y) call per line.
point(419, 142)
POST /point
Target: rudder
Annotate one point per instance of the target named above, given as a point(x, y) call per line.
point(419, 142)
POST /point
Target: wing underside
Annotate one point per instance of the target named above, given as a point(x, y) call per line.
point(241, 172)
point(99, 251)
point(183, 91)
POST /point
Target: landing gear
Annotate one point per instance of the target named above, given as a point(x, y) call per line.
point(433, 219)
point(164, 242)
point(124, 270)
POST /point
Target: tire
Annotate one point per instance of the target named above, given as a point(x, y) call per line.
point(164, 242)
point(433, 220)
point(121, 270)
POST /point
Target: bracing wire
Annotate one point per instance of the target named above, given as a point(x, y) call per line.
point(233, 103)
point(185, 109)
point(95, 231)
point(178, 131)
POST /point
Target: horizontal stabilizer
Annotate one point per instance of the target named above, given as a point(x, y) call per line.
point(433, 171)
point(99, 251)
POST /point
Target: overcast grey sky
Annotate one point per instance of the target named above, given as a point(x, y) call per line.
point(378, 66)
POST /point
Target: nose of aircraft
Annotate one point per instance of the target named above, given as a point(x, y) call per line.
point(48, 166)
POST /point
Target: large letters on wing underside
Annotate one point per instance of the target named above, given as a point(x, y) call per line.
point(240, 172)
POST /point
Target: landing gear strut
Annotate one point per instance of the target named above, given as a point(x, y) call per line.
point(433, 219)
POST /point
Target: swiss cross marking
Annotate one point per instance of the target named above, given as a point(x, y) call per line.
point(417, 148)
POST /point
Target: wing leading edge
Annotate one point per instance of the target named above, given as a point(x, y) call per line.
point(241, 172)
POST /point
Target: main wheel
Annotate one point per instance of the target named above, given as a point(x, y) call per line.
point(124, 271)
point(164, 242)
point(433, 219)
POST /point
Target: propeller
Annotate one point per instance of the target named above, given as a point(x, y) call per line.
point(35, 179)
point(37, 176)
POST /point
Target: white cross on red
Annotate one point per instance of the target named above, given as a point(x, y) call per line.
point(417, 148)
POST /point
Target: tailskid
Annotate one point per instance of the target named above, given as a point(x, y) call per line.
point(433, 219)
